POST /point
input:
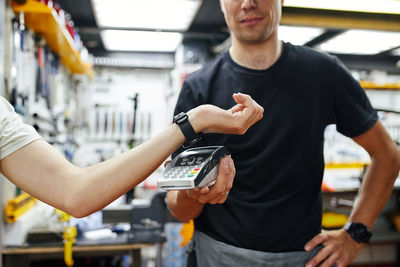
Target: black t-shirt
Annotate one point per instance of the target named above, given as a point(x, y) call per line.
point(275, 203)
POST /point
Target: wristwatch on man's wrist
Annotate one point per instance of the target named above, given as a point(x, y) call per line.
point(358, 231)
point(182, 120)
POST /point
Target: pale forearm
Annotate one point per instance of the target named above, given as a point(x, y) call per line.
point(106, 181)
point(182, 207)
point(376, 189)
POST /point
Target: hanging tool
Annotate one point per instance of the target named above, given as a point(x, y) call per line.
point(121, 123)
point(129, 129)
point(340, 203)
point(135, 105)
point(130, 194)
point(97, 120)
point(14, 62)
point(22, 30)
point(149, 125)
point(105, 123)
point(69, 235)
point(43, 70)
point(113, 123)
point(40, 71)
point(47, 69)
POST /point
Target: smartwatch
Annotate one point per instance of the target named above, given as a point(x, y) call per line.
point(358, 231)
point(182, 120)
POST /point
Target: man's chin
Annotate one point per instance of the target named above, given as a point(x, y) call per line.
point(252, 40)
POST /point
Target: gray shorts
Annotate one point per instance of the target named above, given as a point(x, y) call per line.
point(212, 253)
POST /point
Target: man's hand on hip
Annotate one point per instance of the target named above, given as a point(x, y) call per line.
point(339, 248)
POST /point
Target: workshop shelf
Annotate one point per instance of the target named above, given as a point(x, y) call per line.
point(46, 22)
point(369, 85)
point(346, 165)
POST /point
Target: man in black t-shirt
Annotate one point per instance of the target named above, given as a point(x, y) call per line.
point(272, 215)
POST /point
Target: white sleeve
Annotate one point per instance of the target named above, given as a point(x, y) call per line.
point(14, 133)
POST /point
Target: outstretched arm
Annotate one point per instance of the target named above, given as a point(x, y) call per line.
point(43, 172)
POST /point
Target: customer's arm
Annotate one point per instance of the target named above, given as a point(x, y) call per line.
point(43, 172)
point(375, 190)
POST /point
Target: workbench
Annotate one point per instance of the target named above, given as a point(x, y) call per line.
point(22, 256)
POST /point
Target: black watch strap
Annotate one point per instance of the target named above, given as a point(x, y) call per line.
point(190, 135)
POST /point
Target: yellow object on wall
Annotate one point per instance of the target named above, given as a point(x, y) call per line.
point(187, 232)
point(333, 220)
point(69, 235)
point(62, 216)
point(18, 206)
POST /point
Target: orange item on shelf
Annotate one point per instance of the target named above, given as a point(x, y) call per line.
point(326, 188)
point(187, 232)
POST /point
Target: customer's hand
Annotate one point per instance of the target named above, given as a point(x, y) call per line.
point(219, 191)
point(237, 120)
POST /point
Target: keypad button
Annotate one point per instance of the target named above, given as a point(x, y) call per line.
point(191, 160)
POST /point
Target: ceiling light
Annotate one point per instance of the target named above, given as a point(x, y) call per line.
point(361, 42)
point(371, 6)
point(298, 35)
point(396, 52)
point(174, 15)
point(144, 41)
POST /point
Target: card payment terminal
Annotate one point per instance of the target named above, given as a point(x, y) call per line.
point(195, 167)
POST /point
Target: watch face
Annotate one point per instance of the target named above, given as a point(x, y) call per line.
point(361, 232)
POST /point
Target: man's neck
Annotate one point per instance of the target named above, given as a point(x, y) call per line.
point(256, 56)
